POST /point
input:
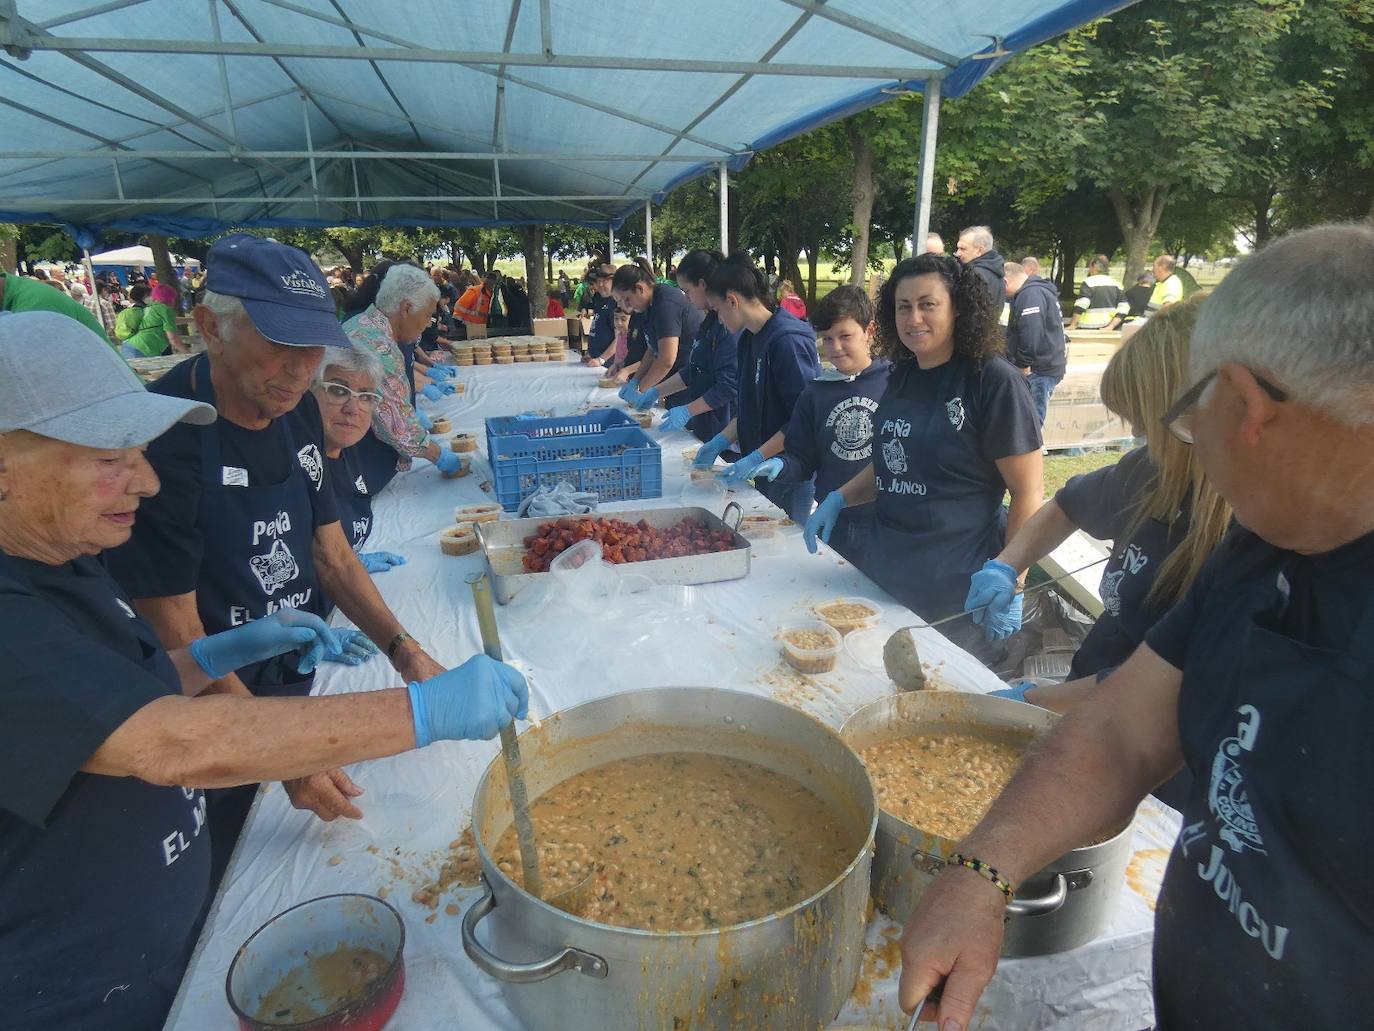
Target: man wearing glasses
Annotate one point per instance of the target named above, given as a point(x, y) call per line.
point(1261, 680)
point(246, 521)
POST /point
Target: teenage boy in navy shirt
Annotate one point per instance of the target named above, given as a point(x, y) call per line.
point(830, 434)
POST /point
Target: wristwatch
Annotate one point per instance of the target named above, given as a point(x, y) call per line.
point(394, 645)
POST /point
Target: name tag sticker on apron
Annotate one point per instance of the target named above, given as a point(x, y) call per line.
point(233, 476)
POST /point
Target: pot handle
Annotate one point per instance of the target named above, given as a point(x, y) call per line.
point(521, 973)
point(739, 515)
point(1042, 905)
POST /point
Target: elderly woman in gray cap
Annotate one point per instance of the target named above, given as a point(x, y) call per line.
point(107, 743)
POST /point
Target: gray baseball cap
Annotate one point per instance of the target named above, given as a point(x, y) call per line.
point(59, 380)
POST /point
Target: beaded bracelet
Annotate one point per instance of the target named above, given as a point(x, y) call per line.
point(983, 870)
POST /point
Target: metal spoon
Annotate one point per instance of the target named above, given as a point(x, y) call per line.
point(903, 663)
point(510, 748)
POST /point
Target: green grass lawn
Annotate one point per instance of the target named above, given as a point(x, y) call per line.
point(1059, 468)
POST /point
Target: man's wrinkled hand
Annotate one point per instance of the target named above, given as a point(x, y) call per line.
point(328, 795)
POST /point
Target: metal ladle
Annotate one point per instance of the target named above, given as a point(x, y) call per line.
point(900, 657)
point(574, 899)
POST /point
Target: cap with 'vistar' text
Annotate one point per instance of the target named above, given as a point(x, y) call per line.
point(282, 289)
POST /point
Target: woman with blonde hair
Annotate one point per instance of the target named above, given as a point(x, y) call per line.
point(1155, 505)
point(788, 299)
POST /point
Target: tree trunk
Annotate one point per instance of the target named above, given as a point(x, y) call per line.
point(813, 258)
point(1139, 219)
point(1264, 227)
point(532, 245)
point(732, 233)
point(354, 257)
point(864, 193)
point(9, 254)
point(548, 262)
point(898, 242)
point(162, 261)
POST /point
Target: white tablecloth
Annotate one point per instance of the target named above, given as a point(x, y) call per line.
point(416, 804)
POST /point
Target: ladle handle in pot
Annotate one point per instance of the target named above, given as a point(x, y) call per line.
point(1042, 905)
point(521, 973)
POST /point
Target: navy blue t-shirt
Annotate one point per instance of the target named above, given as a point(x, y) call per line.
point(102, 879)
point(670, 314)
point(164, 555)
point(1103, 503)
point(831, 432)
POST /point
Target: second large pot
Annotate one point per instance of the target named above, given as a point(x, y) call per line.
point(790, 971)
point(1065, 905)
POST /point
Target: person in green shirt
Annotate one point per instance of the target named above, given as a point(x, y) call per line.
point(146, 329)
point(20, 294)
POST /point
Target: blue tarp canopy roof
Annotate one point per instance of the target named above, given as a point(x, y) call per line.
point(187, 116)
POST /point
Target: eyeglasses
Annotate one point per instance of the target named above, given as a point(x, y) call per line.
point(1178, 420)
point(337, 394)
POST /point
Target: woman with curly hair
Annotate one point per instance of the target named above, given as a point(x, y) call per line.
point(955, 431)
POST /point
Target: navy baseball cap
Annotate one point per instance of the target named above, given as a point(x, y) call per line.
point(282, 289)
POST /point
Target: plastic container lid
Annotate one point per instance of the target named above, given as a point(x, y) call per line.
point(865, 647)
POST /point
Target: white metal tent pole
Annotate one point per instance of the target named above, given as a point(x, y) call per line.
point(649, 231)
point(610, 243)
point(724, 210)
point(925, 176)
point(90, 274)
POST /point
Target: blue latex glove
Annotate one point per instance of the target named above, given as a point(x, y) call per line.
point(647, 399)
point(1017, 692)
point(821, 523)
point(355, 648)
point(425, 421)
point(449, 461)
point(629, 393)
point(440, 373)
point(744, 468)
point(471, 702)
point(711, 450)
point(676, 419)
point(286, 630)
point(434, 391)
point(380, 561)
point(991, 598)
point(768, 470)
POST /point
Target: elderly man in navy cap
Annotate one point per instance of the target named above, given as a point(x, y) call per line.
point(246, 522)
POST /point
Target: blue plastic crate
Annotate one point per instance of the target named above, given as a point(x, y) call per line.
point(562, 426)
point(622, 463)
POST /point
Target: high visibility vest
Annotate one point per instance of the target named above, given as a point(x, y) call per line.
point(474, 305)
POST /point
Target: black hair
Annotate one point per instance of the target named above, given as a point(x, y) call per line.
point(627, 277)
point(977, 336)
point(738, 274)
point(844, 302)
point(139, 293)
point(366, 293)
point(698, 266)
point(645, 264)
point(596, 273)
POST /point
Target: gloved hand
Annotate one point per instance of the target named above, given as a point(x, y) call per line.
point(471, 702)
point(711, 450)
point(768, 470)
point(991, 596)
point(355, 648)
point(1017, 692)
point(647, 399)
point(821, 523)
point(629, 392)
point(425, 421)
point(380, 561)
point(676, 419)
point(449, 461)
point(286, 630)
point(434, 391)
point(744, 468)
point(440, 373)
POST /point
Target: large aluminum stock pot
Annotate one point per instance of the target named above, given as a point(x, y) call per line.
point(1065, 905)
point(789, 971)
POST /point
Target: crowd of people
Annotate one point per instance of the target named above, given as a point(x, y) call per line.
point(168, 558)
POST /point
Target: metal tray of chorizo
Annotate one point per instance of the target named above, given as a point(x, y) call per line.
point(668, 545)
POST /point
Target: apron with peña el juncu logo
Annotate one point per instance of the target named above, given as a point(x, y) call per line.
point(938, 513)
point(258, 544)
point(1266, 917)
